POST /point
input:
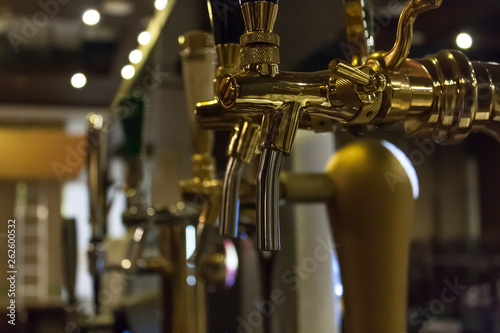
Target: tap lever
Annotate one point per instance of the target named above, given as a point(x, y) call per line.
point(351, 73)
point(396, 57)
point(369, 84)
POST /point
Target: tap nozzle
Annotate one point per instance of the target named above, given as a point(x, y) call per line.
point(268, 224)
point(278, 133)
point(241, 150)
point(230, 198)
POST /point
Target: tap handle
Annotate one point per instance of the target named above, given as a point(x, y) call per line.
point(349, 72)
point(370, 215)
point(198, 71)
point(132, 116)
point(227, 21)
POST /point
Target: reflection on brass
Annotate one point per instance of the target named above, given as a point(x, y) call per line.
point(228, 56)
point(466, 99)
point(371, 217)
point(306, 187)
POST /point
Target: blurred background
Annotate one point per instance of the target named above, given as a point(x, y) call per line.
point(62, 59)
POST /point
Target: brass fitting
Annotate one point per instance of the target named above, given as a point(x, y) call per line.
point(259, 45)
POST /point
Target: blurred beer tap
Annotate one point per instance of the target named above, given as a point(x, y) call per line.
point(359, 30)
point(137, 214)
point(198, 66)
point(97, 166)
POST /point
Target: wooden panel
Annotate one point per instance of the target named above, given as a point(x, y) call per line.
point(40, 154)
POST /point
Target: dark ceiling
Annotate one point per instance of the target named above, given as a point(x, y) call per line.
point(311, 32)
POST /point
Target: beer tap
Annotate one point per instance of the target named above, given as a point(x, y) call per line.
point(227, 24)
point(97, 165)
point(137, 214)
point(387, 88)
point(198, 60)
point(443, 96)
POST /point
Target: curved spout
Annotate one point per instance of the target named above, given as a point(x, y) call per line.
point(268, 225)
point(241, 149)
point(230, 195)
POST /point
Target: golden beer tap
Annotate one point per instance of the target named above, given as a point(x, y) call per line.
point(443, 96)
point(227, 25)
point(428, 95)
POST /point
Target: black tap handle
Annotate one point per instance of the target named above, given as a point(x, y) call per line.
point(227, 21)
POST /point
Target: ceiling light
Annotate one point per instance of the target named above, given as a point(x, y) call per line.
point(464, 41)
point(128, 72)
point(117, 7)
point(91, 17)
point(135, 56)
point(144, 38)
point(161, 4)
point(78, 80)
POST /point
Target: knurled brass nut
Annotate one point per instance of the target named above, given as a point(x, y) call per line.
point(260, 54)
point(259, 37)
